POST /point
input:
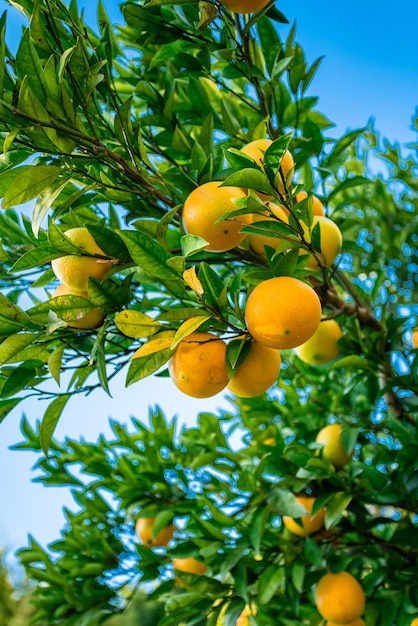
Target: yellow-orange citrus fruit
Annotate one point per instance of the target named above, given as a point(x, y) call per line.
point(282, 312)
point(75, 270)
point(331, 241)
point(333, 449)
point(257, 242)
point(415, 345)
point(414, 622)
point(245, 6)
point(198, 365)
point(256, 149)
point(310, 523)
point(243, 618)
point(318, 207)
point(356, 622)
point(202, 209)
point(323, 346)
point(144, 528)
point(257, 373)
point(189, 566)
point(340, 598)
point(285, 173)
point(93, 319)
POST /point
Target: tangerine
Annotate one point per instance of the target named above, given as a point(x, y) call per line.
point(189, 566)
point(333, 449)
point(257, 373)
point(310, 523)
point(318, 207)
point(203, 209)
point(257, 242)
point(330, 239)
point(198, 366)
point(340, 598)
point(144, 527)
point(282, 312)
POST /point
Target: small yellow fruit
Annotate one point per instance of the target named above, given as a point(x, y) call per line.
point(243, 618)
point(245, 6)
point(415, 345)
point(333, 449)
point(202, 209)
point(318, 207)
point(75, 270)
point(257, 242)
point(282, 312)
point(310, 523)
point(93, 319)
point(189, 566)
point(257, 373)
point(331, 241)
point(323, 346)
point(144, 528)
point(340, 598)
point(198, 366)
point(414, 622)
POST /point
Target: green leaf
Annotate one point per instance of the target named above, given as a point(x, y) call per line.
point(19, 379)
point(149, 255)
point(6, 406)
point(136, 324)
point(144, 366)
point(14, 344)
point(55, 362)
point(187, 328)
point(284, 503)
point(50, 420)
point(270, 581)
point(335, 508)
point(36, 257)
point(43, 204)
point(190, 244)
point(30, 184)
point(352, 361)
point(213, 287)
point(250, 178)
point(68, 308)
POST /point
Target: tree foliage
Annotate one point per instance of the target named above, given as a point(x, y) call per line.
point(112, 130)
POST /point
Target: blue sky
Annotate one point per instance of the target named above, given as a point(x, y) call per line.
point(370, 69)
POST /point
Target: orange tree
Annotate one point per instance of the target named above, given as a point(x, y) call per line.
point(111, 132)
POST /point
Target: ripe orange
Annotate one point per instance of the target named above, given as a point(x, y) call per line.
point(414, 622)
point(144, 527)
point(415, 345)
point(333, 449)
point(310, 523)
point(245, 6)
point(257, 373)
point(318, 207)
point(189, 566)
point(331, 241)
point(340, 598)
point(256, 149)
point(282, 312)
point(322, 347)
point(91, 320)
point(75, 270)
point(198, 366)
point(257, 242)
point(357, 622)
point(243, 618)
point(202, 209)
